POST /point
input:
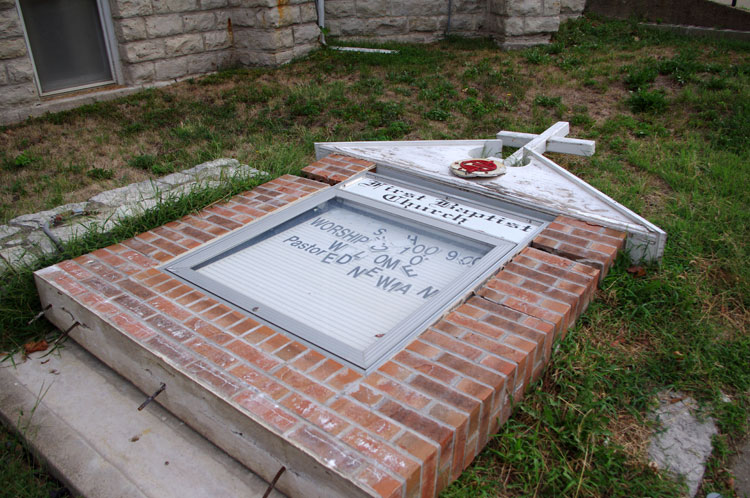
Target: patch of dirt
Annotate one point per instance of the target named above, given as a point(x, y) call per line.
point(632, 435)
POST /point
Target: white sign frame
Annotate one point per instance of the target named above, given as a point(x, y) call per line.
point(186, 268)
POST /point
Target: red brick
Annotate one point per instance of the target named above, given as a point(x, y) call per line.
point(134, 306)
point(275, 343)
point(195, 233)
point(502, 283)
point(75, 270)
point(478, 391)
point(610, 251)
point(471, 369)
point(214, 355)
point(138, 259)
point(459, 451)
point(166, 233)
point(393, 460)
point(417, 422)
point(170, 350)
point(328, 449)
point(266, 410)
point(564, 237)
point(397, 391)
point(243, 326)
point(365, 395)
point(202, 305)
point(428, 454)
point(167, 286)
point(325, 370)
point(155, 277)
point(106, 309)
point(162, 256)
point(344, 378)
point(259, 335)
point(190, 298)
point(219, 379)
point(491, 308)
point(229, 319)
point(527, 271)
point(497, 348)
point(448, 416)
point(423, 349)
point(365, 417)
point(260, 381)
point(252, 355)
point(308, 360)
point(224, 222)
point(450, 344)
point(444, 393)
point(482, 327)
point(315, 414)
point(95, 266)
point(304, 384)
point(520, 343)
point(506, 368)
point(585, 225)
point(291, 350)
point(69, 285)
point(132, 326)
point(215, 312)
point(381, 482)
point(170, 328)
point(208, 331)
point(168, 307)
point(141, 247)
point(425, 366)
point(393, 370)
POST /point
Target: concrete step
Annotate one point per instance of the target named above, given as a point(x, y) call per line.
point(82, 420)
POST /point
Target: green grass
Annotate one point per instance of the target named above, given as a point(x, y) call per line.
point(20, 475)
point(671, 118)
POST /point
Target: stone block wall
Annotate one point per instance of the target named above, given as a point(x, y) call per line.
point(16, 73)
point(512, 23)
point(417, 20)
point(164, 40)
point(273, 32)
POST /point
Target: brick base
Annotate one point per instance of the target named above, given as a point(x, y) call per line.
point(408, 429)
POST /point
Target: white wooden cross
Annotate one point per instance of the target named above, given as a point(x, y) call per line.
point(553, 139)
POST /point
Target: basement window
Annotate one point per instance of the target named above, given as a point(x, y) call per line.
point(358, 270)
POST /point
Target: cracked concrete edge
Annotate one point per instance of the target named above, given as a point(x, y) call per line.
point(82, 436)
point(67, 456)
point(683, 441)
point(23, 240)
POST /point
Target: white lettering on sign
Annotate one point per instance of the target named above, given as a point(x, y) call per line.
point(346, 272)
point(452, 212)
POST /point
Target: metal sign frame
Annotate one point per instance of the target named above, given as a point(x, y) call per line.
point(186, 269)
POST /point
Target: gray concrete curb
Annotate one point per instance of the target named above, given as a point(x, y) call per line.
point(23, 239)
point(81, 419)
point(702, 31)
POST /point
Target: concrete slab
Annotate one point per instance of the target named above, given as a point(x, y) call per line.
point(81, 418)
point(740, 4)
point(684, 443)
point(741, 470)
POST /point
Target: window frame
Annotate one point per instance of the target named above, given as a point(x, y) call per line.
point(110, 45)
point(185, 269)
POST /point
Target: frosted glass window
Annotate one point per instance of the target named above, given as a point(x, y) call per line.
point(67, 43)
point(356, 271)
point(351, 275)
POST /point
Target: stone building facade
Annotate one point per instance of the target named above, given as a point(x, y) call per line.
point(151, 42)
